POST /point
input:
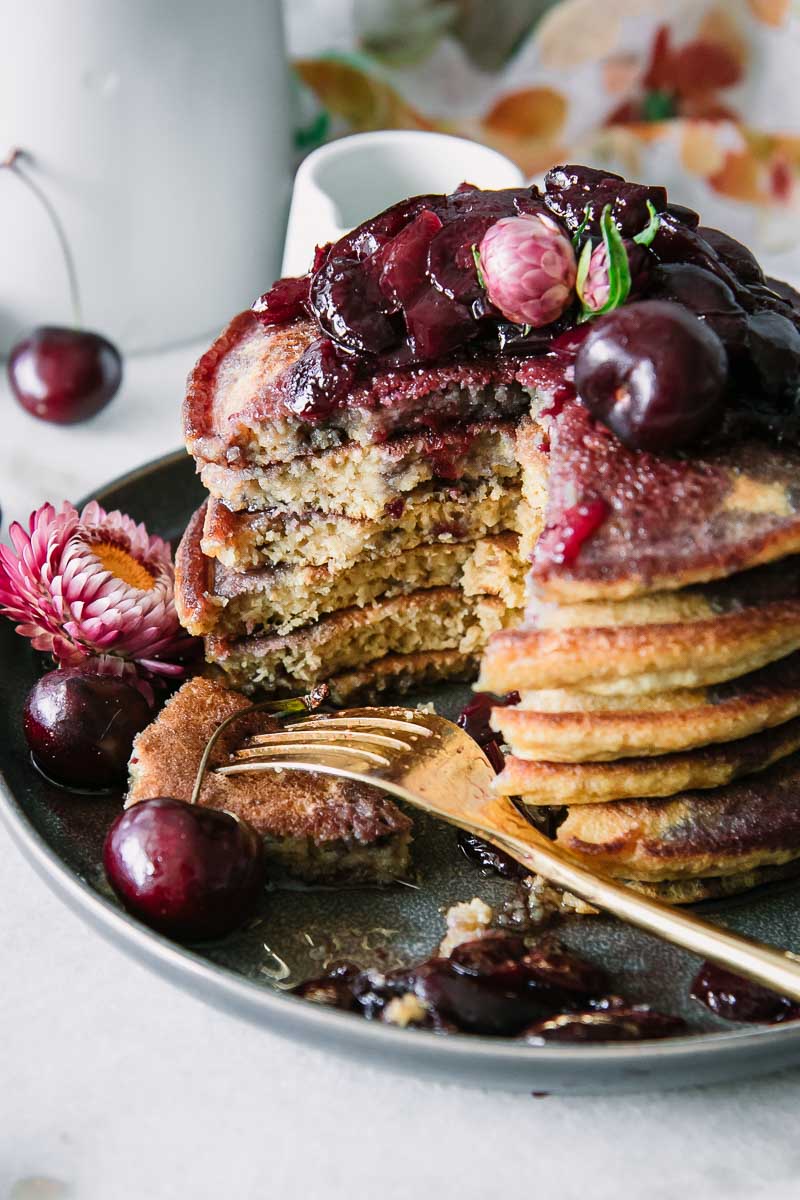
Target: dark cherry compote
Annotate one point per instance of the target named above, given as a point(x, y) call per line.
point(498, 985)
point(737, 999)
point(474, 719)
point(688, 339)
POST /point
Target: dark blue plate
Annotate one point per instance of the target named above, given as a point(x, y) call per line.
point(298, 929)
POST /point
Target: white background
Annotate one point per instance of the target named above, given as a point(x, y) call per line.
point(116, 1086)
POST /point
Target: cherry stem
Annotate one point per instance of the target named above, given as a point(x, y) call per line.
point(281, 708)
point(12, 163)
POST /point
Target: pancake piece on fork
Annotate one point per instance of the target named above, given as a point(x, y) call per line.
point(317, 828)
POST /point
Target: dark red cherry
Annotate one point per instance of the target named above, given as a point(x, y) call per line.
point(737, 258)
point(451, 263)
point(706, 295)
point(350, 307)
point(285, 301)
point(572, 190)
point(64, 375)
point(438, 325)
point(495, 985)
point(189, 872)
point(403, 260)
point(614, 1025)
point(654, 373)
point(773, 343)
point(474, 719)
point(787, 293)
point(738, 999)
point(319, 380)
point(335, 988)
point(488, 857)
point(80, 726)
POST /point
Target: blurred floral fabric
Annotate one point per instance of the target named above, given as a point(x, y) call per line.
point(699, 96)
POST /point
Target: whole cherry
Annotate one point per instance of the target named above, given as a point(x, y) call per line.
point(190, 872)
point(60, 374)
point(64, 375)
point(80, 726)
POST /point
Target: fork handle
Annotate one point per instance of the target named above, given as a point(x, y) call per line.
point(778, 970)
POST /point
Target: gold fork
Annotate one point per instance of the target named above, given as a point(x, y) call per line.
point(434, 765)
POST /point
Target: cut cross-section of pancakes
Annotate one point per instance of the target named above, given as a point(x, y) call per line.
point(403, 628)
point(369, 545)
point(214, 599)
point(427, 515)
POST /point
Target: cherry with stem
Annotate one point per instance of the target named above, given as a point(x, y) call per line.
point(60, 374)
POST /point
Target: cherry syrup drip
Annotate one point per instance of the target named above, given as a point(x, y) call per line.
point(563, 542)
point(474, 719)
point(737, 999)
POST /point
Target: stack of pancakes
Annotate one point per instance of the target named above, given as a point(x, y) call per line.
point(658, 663)
point(370, 544)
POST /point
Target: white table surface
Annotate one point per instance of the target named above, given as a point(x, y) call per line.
point(116, 1086)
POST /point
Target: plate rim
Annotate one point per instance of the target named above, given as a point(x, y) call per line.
point(297, 1016)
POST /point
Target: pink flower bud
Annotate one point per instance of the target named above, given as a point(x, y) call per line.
point(596, 286)
point(529, 268)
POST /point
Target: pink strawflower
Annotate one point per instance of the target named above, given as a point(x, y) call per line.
point(597, 286)
point(529, 268)
point(93, 585)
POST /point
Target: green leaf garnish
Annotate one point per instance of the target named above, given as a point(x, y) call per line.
point(477, 260)
point(645, 238)
point(619, 272)
point(578, 234)
point(583, 268)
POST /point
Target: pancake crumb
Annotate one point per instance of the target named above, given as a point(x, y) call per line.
point(465, 921)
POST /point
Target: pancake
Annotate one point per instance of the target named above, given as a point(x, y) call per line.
point(317, 828)
point(351, 639)
point(445, 513)
point(494, 568)
point(401, 673)
point(256, 397)
point(212, 599)
point(362, 482)
point(748, 590)
point(681, 891)
point(550, 783)
point(690, 891)
point(752, 823)
point(669, 521)
point(633, 659)
point(534, 462)
point(570, 726)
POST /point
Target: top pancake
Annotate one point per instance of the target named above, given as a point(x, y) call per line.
point(670, 521)
point(243, 404)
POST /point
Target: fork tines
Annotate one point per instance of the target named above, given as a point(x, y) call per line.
point(344, 739)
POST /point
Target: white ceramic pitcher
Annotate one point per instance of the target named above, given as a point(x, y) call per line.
point(345, 182)
point(160, 132)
